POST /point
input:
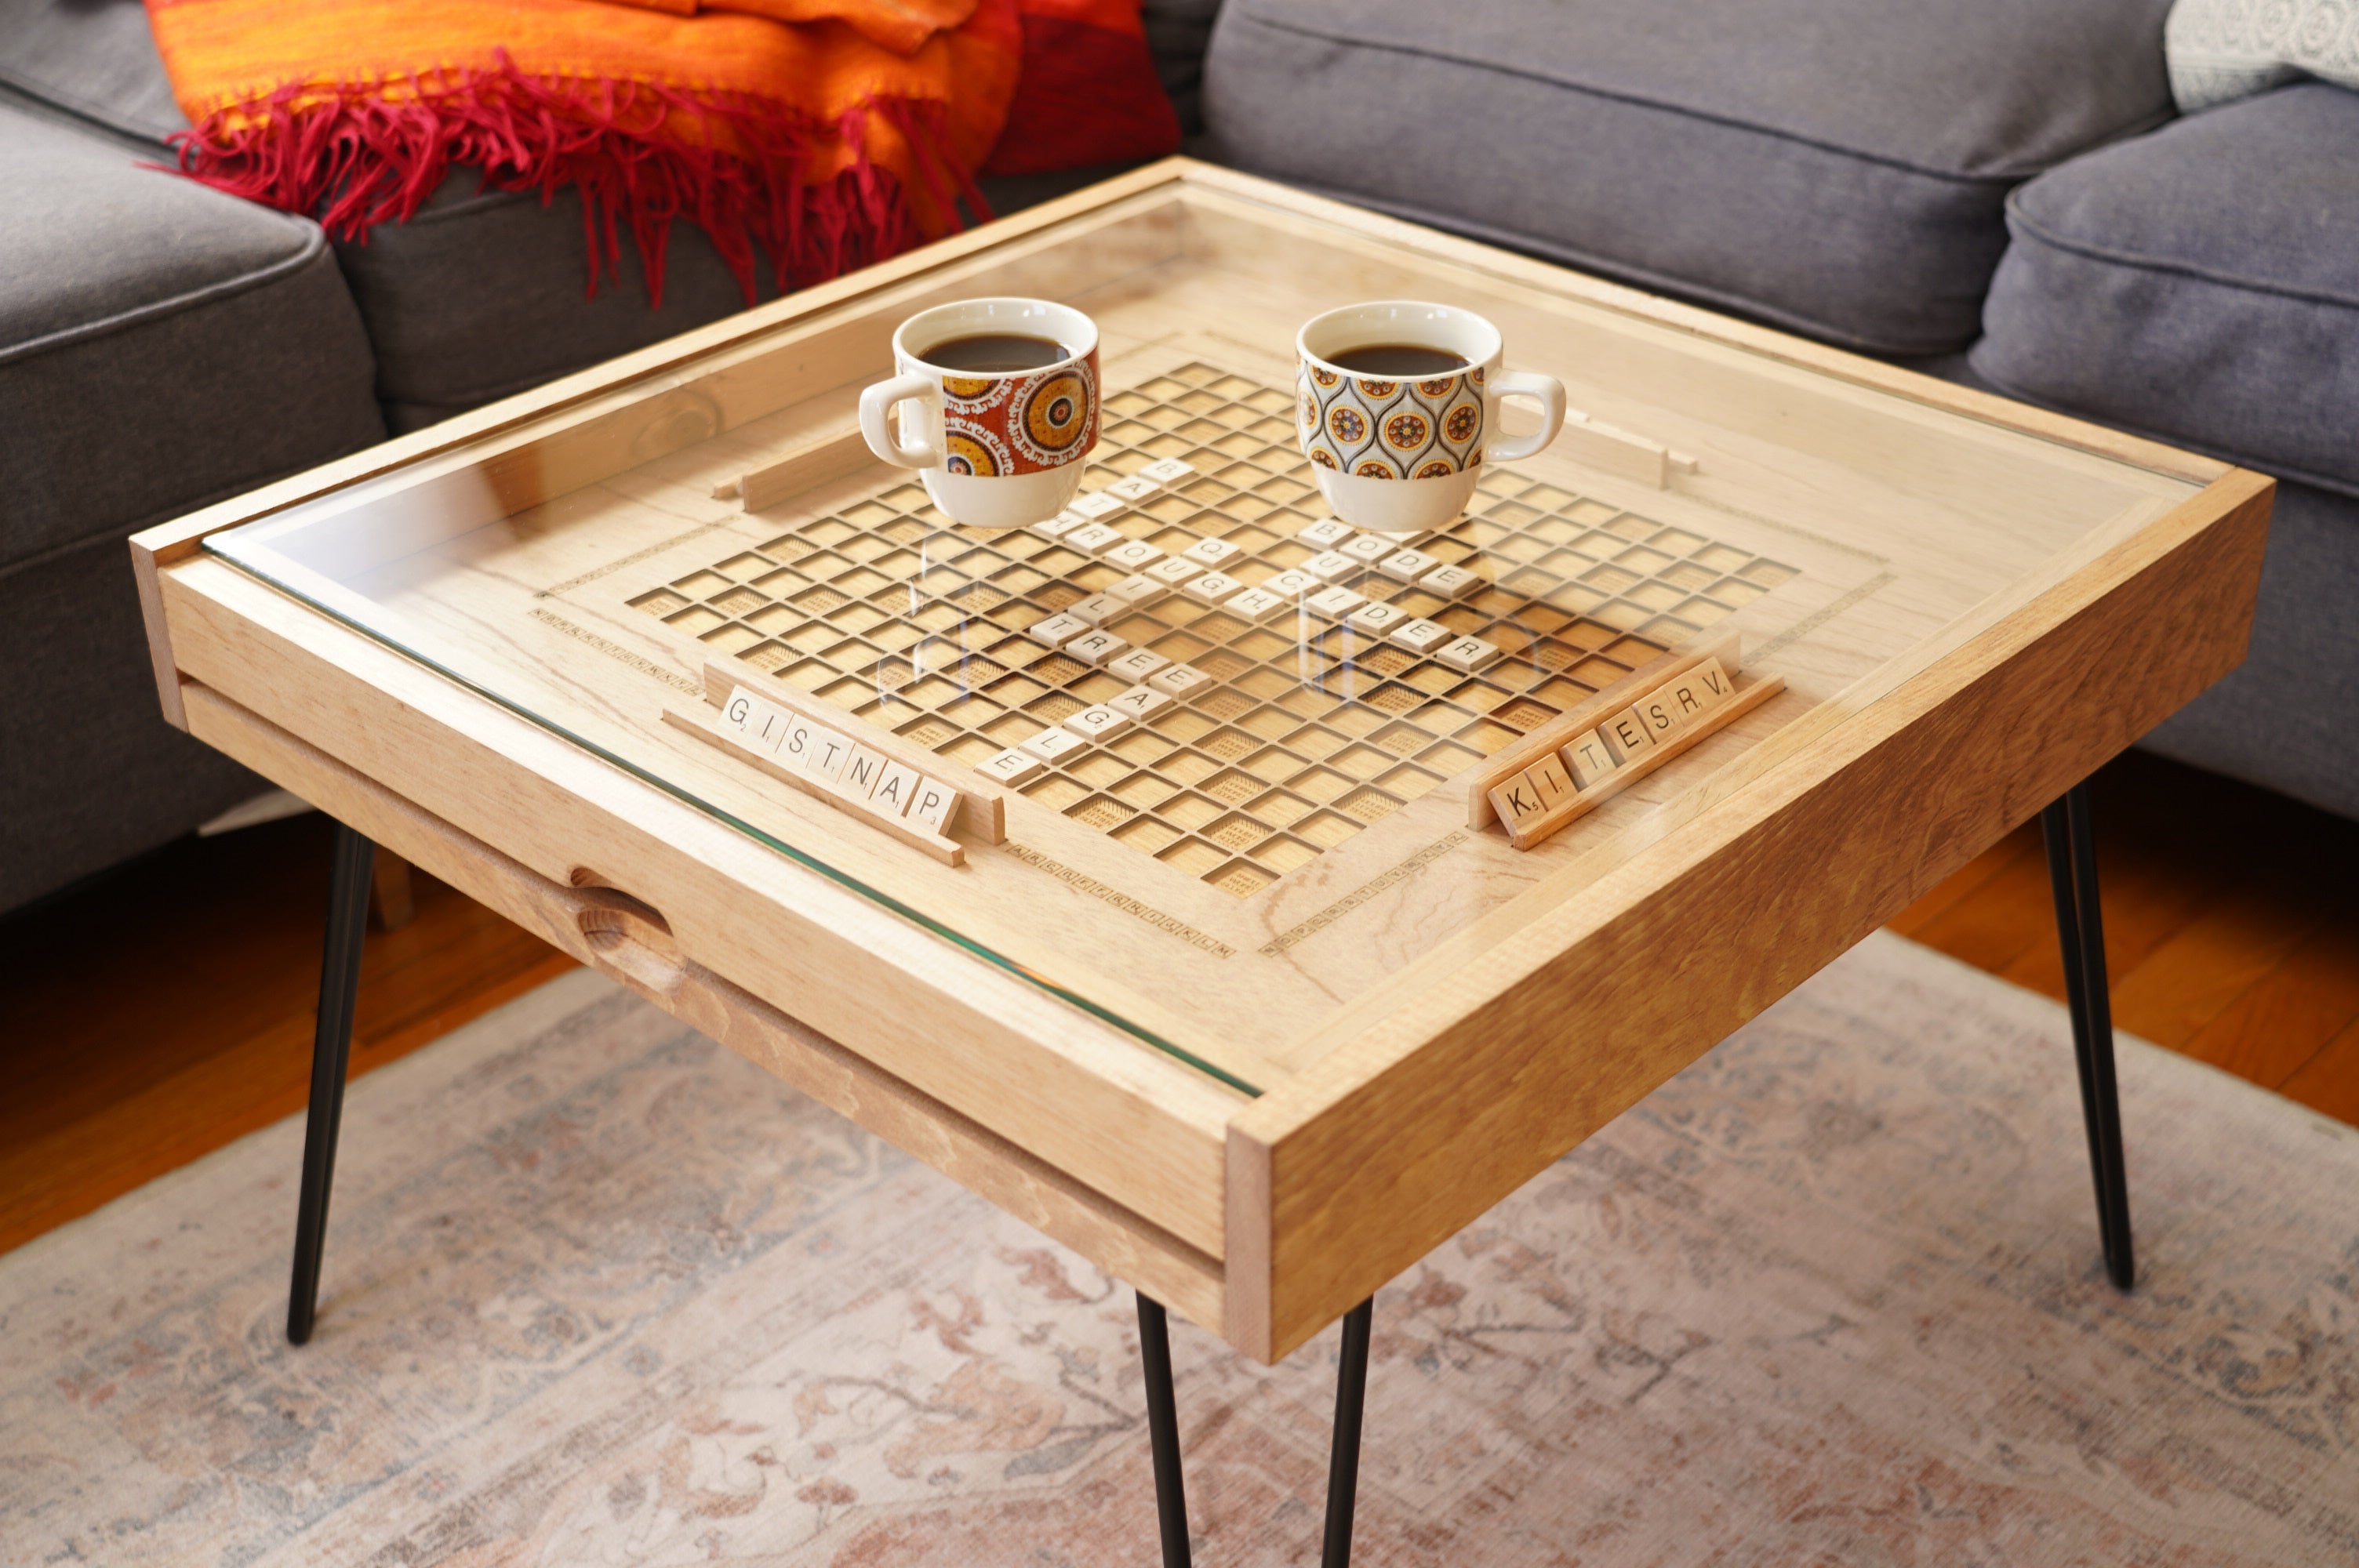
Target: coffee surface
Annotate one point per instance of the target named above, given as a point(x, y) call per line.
point(992, 352)
point(1397, 359)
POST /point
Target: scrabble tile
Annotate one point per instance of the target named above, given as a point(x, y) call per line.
point(746, 714)
point(932, 802)
point(1094, 505)
point(1099, 723)
point(829, 753)
point(1700, 690)
point(1058, 630)
point(1212, 552)
point(1258, 604)
point(862, 770)
point(1330, 565)
point(1406, 566)
point(1366, 548)
point(768, 727)
point(1325, 534)
point(897, 788)
point(1051, 744)
point(1134, 488)
point(1334, 603)
point(1167, 471)
point(1135, 591)
point(1627, 734)
point(1097, 610)
point(1467, 654)
point(1658, 713)
point(1136, 554)
point(1010, 767)
point(794, 747)
point(1212, 587)
point(1377, 619)
point(1518, 800)
point(1421, 635)
point(1173, 570)
point(1096, 538)
point(1062, 523)
point(1549, 777)
point(1450, 582)
point(1292, 584)
point(1139, 701)
point(1137, 665)
point(1097, 647)
point(1179, 680)
point(1591, 760)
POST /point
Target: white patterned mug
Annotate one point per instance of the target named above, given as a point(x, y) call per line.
point(997, 448)
point(1400, 453)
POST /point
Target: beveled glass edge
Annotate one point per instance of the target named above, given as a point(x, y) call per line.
point(220, 544)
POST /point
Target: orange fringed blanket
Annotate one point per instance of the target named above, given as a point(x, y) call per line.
point(828, 133)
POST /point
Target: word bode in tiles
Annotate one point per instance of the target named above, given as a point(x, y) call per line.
point(1194, 658)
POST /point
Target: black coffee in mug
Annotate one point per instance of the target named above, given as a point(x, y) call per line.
point(994, 353)
point(1400, 361)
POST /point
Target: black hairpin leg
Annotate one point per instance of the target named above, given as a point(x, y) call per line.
point(1163, 1434)
point(1163, 1431)
point(332, 1043)
point(2071, 835)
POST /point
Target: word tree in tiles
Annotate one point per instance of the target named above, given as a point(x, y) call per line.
point(1197, 659)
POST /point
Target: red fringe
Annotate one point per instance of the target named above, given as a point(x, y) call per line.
point(355, 159)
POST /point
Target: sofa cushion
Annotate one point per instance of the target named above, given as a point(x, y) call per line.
point(2200, 284)
point(2283, 718)
point(1835, 165)
point(161, 345)
point(481, 293)
point(95, 59)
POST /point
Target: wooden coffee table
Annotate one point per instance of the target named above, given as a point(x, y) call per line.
point(1254, 1003)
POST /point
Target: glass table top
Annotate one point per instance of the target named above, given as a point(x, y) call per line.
point(1270, 861)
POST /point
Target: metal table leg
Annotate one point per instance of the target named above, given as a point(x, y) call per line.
point(1344, 1459)
point(2069, 831)
point(332, 1042)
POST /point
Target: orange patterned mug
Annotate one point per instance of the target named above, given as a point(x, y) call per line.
point(997, 448)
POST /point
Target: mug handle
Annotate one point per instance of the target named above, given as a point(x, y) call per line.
point(876, 420)
point(1544, 390)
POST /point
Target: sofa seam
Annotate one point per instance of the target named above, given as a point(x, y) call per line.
point(90, 110)
point(2273, 470)
point(2009, 177)
point(2088, 250)
point(119, 534)
point(1653, 279)
point(315, 246)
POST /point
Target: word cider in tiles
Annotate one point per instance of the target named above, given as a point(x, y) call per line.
point(1531, 802)
point(854, 777)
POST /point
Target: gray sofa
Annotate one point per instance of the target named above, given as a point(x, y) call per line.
point(2000, 194)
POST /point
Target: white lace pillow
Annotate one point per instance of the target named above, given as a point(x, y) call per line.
point(2221, 50)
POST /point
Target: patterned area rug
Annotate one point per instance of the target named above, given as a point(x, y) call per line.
point(599, 1292)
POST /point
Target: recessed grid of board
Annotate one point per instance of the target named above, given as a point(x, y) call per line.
point(1309, 731)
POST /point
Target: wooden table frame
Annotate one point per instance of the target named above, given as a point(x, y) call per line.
point(1264, 1218)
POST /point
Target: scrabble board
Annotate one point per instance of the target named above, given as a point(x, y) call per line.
point(1308, 728)
point(506, 649)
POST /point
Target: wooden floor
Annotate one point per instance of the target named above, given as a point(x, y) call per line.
point(166, 1009)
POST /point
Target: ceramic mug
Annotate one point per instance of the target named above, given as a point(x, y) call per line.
point(1401, 455)
point(996, 449)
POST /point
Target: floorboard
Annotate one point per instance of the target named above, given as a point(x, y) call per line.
point(166, 1008)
